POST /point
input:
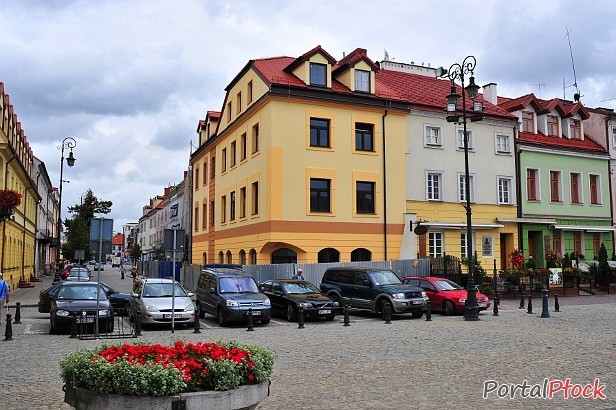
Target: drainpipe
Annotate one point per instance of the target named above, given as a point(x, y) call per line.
point(23, 235)
point(384, 190)
point(609, 177)
point(519, 183)
point(6, 177)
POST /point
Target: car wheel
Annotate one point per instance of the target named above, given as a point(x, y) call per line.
point(201, 311)
point(384, 305)
point(52, 329)
point(265, 321)
point(336, 298)
point(222, 320)
point(291, 313)
point(417, 315)
point(449, 308)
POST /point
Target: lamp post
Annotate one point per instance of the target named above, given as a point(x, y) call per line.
point(457, 72)
point(70, 143)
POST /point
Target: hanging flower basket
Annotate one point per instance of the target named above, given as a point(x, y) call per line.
point(9, 198)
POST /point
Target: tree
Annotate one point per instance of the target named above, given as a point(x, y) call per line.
point(135, 253)
point(158, 251)
point(78, 227)
point(604, 267)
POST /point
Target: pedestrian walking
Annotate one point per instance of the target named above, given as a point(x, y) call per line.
point(122, 271)
point(5, 291)
point(134, 274)
point(299, 275)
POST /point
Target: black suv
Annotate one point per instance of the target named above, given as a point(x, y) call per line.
point(373, 289)
point(228, 293)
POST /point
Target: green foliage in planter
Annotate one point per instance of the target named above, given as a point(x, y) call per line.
point(157, 370)
point(510, 287)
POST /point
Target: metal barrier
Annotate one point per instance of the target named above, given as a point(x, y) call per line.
point(118, 327)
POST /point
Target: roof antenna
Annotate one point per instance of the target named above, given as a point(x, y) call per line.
point(577, 94)
point(539, 85)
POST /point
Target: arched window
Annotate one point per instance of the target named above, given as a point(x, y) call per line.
point(253, 257)
point(361, 255)
point(229, 257)
point(329, 255)
point(242, 257)
point(221, 257)
point(284, 255)
point(204, 258)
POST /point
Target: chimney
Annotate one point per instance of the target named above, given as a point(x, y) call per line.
point(489, 93)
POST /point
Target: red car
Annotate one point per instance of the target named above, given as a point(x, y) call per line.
point(446, 296)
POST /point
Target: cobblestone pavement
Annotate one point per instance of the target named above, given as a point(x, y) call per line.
point(410, 363)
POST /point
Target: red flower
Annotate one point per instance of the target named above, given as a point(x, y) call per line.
point(9, 198)
point(251, 377)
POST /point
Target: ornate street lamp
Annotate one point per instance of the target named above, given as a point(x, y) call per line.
point(70, 143)
point(457, 72)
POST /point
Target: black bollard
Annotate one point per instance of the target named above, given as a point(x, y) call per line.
point(428, 312)
point(530, 304)
point(545, 313)
point(8, 332)
point(138, 322)
point(556, 305)
point(17, 314)
point(522, 301)
point(197, 326)
point(387, 314)
point(73, 328)
point(251, 326)
point(346, 315)
point(495, 301)
point(300, 317)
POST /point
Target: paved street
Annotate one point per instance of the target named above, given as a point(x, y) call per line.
point(410, 363)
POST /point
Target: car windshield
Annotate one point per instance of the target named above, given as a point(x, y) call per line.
point(299, 288)
point(446, 285)
point(385, 277)
point(162, 290)
point(85, 292)
point(238, 285)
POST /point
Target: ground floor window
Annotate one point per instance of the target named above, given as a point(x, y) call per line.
point(435, 244)
point(361, 255)
point(284, 255)
point(328, 255)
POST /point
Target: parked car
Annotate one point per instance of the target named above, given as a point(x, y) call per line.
point(288, 295)
point(154, 297)
point(72, 299)
point(78, 274)
point(373, 289)
point(46, 296)
point(229, 294)
point(445, 295)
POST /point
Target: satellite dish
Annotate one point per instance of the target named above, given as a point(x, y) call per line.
point(420, 229)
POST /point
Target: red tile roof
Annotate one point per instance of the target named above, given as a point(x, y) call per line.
point(353, 58)
point(573, 144)
point(564, 108)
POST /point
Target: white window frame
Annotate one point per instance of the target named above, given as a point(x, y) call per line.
point(500, 192)
point(599, 191)
point(462, 186)
point(430, 140)
point(464, 244)
point(460, 140)
point(499, 149)
point(430, 194)
point(433, 246)
point(362, 83)
point(614, 136)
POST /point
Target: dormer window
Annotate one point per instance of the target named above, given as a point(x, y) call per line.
point(318, 74)
point(362, 81)
point(576, 129)
point(528, 121)
point(553, 126)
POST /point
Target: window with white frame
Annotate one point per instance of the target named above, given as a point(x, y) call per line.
point(462, 186)
point(434, 186)
point(464, 245)
point(614, 136)
point(503, 143)
point(435, 244)
point(505, 190)
point(460, 138)
point(362, 81)
point(433, 135)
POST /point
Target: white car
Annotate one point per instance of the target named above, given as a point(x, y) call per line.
point(154, 297)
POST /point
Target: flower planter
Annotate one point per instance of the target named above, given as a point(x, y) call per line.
point(244, 397)
point(6, 211)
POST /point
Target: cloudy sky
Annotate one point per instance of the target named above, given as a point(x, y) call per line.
point(130, 79)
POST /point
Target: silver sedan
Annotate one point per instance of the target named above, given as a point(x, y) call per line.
point(154, 300)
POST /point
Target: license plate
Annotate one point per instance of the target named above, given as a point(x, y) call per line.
point(417, 302)
point(325, 312)
point(168, 315)
point(481, 304)
point(86, 320)
point(255, 313)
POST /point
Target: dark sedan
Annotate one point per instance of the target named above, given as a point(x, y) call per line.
point(288, 295)
point(73, 299)
point(119, 301)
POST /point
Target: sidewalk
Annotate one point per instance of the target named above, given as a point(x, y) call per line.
point(28, 297)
